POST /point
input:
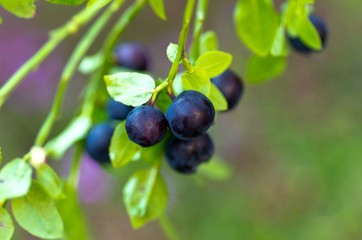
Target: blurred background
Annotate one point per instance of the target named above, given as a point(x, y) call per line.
point(294, 143)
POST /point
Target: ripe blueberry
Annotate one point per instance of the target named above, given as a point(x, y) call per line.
point(231, 86)
point(132, 55)
point(185, 155)
point(117, 110)
point(322, 29)
point(98, 141)
point(190, 115)
point(146, 125)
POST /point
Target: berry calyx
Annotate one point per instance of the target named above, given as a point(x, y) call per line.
point(117, 110)
point(185, 155)
point(132, 55)
point(322, 29)
point(190, 115)
point(231, 86)
point(98, 141)
point(146, 126)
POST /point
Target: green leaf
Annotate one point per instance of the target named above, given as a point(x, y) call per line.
point(214, 62)
point(177, 86)
point(90, 64)
point(75, 131)
point(155, 153)
point(20, 8)
point(163, 100)
point(122, 150)
point(145, 196)
point(15, 179)
point(197, 80)
point(130, 88)
point(256, 22)
point(171, 52)
point(208, 42)
point(159, 8)
point(217, 99)
point(75, 226)
point(6, 225)
point(260, 69)
point(279, 47)
point(308, 33)
point(216, 169)
point(98, 3)
point(67, 2)
point(1, 19)
point(50, 181)
point(37, 214)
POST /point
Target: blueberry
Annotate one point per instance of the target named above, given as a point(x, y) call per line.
point(231, 86)
point(98, 141)
point(322, 29)
point(117, 110)
point(190, 115)
point(132, 55)
point(146, 126)
point(185, 155)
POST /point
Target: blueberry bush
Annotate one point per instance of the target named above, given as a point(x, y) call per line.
point(127, 115)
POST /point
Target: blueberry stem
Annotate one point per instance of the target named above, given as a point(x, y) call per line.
point(69, 70)
point(201, 11)
point(55, 38)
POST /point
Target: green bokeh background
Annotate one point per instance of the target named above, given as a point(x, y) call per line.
point(294, 143)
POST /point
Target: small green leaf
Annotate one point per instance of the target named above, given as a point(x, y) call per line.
point(98, 3)
point(216, 169)
point(260, 69)
point(130, 88)
point(20, 8)
point(279, 47)
point(15, 179)
point(163, 100)
point(90, 64)
point(308, 33)
point(171, 51)
point(50, 181)
point(256, 22)
point(145, 196)
point(177, 86)
point(159, 8)
point(75, 225)
point(37, 214)
point(67, 2)
point(208, 42)
point(75, 131)
point(214, 62)
point(6, 225)
point(217, 99)
point(197, 80)
point(1, 20)
point(122, 150)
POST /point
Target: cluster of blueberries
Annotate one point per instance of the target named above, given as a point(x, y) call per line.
point(188, 117)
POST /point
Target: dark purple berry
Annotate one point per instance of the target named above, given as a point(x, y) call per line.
point(190, 115)
point(231, 86)
point(185, 155)
point(132, 55)
point(322, 29)
point(117, 110)
point(98, 141)
point(146, 126)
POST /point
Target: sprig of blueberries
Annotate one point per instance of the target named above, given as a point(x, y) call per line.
point(188, 118)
